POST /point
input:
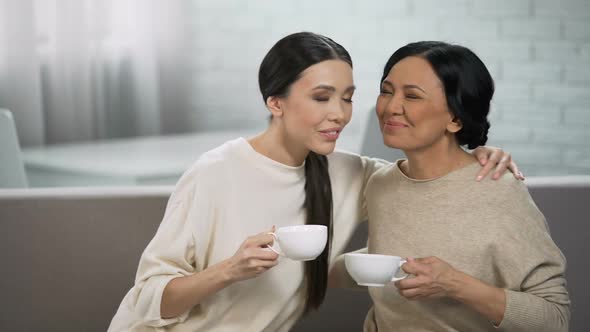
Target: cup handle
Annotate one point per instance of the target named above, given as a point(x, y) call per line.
point(402, 262)
point(278, 252)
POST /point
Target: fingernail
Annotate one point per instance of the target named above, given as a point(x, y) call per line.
point(479, 177)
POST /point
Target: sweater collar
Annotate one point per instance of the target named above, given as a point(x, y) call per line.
point(266, 162)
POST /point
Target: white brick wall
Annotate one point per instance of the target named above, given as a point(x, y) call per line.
point(557, 51)
point(531, 71)
point(574, 116)
point(426, 8)
point(562, 94)
point(578, 73)
point(537, 50)
point(531, 29)
point(577, 29)
point(529, 113)
point(500, 9)
point(561, 9)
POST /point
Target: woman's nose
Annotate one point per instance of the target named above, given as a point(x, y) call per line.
point(395, 106)
point(337, 114)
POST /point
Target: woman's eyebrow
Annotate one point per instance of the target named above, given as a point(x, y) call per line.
point(332, 89)
point(350, 89)
point(413, 86)
point(325, 87)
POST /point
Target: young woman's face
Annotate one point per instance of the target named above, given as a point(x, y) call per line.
point(319, 105)
point(412, 106)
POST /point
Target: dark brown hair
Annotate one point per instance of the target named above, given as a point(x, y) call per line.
point(468, 85)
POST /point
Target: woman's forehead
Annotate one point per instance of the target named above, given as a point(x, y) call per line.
point(334, 73)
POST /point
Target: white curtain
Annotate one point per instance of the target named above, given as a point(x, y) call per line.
point(73, 70)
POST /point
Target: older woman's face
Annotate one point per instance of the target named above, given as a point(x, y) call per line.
point(412, 107)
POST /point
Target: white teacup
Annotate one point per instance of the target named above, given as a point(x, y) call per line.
point(373, 270)
point(300, 242)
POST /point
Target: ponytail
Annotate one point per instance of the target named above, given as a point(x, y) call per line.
point(318, 207)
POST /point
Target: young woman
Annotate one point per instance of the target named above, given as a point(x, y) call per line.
point(487, 260)
point(202, 271)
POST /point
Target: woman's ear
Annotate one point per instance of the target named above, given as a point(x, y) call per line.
point(454, 125)
point(274, 105)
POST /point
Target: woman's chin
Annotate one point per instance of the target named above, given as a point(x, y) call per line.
point(325, 148)
point(394, 144)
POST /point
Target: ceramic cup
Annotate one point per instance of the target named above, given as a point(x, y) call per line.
point(300, 242)
point(373, 270)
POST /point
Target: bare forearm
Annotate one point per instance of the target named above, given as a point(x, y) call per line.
point(183, 293)
point(488, 300)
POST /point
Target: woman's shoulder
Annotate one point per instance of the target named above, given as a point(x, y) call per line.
point(212, 160)
point(211, 165)
point(511, 200)
point(342, 156)
point(507, 185)
point(345, 160)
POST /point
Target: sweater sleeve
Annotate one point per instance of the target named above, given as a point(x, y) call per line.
point(370, 167)
point(170, 254)
point(350, 174)
point(542, 301)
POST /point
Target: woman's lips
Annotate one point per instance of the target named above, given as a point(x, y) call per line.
point(331, 134)
point(394, 125)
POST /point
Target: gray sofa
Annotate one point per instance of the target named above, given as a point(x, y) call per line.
point(70, 254)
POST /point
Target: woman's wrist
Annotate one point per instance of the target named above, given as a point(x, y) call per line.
point(224, 273)
point(488, 300)
point(465, 288)
point(457, 283)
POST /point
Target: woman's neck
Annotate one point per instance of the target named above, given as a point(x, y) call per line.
point(274, 144)
point(436, 160)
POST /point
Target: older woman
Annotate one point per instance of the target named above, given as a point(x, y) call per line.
point(487, 260)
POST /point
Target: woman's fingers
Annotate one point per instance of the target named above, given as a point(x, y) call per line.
point(408, 283)
point(502, 166)
point(410, 294)
point(265, 263)
point(496, 159)
point(412, 267)
point(515, 171)
point(481, 154)
point(490, 160)
point(260, 240)
point(260, 254)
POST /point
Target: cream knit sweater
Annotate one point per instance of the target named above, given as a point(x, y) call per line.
point(233, 192)
point(491, 230)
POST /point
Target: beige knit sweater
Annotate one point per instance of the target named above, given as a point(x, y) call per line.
point(491, 230)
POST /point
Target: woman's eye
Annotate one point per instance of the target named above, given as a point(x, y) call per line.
point(385, 92)
point(321, 99)
point(348, 100)
point(411, 96)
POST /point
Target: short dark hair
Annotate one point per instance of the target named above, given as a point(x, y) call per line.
point(280, 68)
point(468, 85)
